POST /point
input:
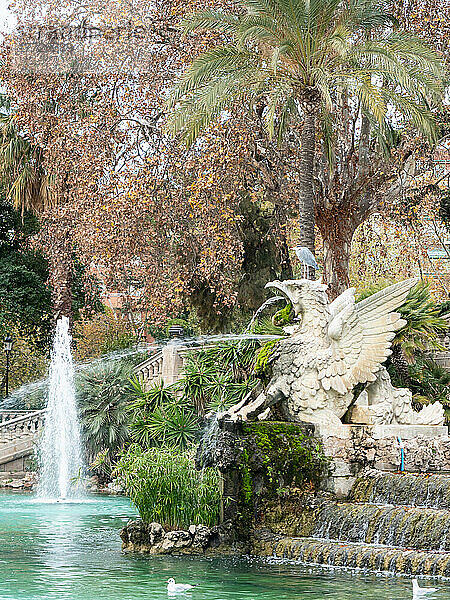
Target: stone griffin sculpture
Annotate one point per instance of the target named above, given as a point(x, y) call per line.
point(331, 348)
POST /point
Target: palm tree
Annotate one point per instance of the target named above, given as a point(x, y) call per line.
point(21, 165)
point(302, 59)
point(23, 174)
point(104, 394)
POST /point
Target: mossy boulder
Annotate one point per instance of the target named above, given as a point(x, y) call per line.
point(272, 461)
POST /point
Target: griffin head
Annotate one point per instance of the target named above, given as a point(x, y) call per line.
point(303, 294)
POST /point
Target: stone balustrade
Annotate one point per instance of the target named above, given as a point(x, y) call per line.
point(9, 415)
point(166, 365)
point(150, 371)
point(18, 432)
point(22, 422)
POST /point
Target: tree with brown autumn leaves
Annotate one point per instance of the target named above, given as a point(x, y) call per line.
point(173, 228)
point(340, 67)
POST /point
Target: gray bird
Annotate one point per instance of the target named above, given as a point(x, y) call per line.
point(306, 257)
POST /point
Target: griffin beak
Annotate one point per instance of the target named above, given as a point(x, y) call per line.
point(277, 285)
point(281, 287)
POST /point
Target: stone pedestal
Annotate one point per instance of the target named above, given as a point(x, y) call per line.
point(356, 447)
point(172, 364)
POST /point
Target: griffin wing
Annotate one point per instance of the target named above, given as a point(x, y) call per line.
point(361, 336)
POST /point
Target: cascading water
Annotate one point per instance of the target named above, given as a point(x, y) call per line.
point(410, 534)
point(60, 447)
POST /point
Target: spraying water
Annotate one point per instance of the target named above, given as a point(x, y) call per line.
point(60, 447)
point(262, 308)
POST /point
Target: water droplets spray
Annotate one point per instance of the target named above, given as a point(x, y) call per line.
point(60, 450)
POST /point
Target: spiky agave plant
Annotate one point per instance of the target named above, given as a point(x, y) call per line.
point(219, 377)
point(161, 416)
point(151, 398)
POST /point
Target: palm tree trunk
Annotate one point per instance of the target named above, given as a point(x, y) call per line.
point(306, 193)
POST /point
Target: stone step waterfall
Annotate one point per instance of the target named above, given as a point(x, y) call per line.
point(391, 522)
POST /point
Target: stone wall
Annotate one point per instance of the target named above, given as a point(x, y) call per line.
point(281, 480)
point(263, 463)
point(353, 448)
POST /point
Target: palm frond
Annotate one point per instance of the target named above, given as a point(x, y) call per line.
point(414, 111)
point(211, 20)
point(281, 48)
point(217, 63)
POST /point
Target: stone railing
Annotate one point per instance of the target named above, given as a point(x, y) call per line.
point(18, 431)
point(9, 415)
point(20, 422)
point(150, 371)
point(166, 365)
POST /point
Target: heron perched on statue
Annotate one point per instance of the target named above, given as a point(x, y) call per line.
point(306, 257)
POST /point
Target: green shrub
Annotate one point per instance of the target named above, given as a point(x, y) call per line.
point(170, 425)
point(103, 393)
point(166, 488)
point(152, 398)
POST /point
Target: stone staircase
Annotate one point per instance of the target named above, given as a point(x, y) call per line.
point(18, 433)
point(390, 522)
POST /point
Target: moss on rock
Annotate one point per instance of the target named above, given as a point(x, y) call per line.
point(283, 317)
point(274, 461)
point(263, 368)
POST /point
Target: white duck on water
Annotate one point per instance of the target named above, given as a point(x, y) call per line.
point(177, 588)
point(419, 592)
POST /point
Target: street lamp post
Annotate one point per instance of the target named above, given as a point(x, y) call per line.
point(7, 345)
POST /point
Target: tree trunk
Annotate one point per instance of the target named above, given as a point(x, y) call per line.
point(400, 363)
point(306, 192)
point(337, 228)
point(61, 264)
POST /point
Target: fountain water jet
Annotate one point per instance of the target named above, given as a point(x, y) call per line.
point(60, 451)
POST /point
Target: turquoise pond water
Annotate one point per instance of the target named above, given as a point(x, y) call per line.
point(72, 551)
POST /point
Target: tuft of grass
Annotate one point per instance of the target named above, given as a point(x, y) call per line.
point(166, 488)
